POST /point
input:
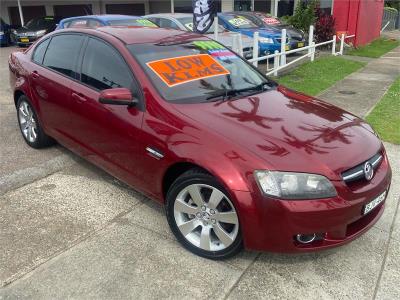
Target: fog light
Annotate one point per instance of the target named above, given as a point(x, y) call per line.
point(306, 238)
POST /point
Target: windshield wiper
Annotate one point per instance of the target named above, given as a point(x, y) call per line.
point(227, 94)
point(260, 87)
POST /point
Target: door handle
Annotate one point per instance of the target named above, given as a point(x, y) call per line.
point(35, 75)
point(79, 97)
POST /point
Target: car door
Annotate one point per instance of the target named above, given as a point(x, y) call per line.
point(108, 135)
point(53, 72)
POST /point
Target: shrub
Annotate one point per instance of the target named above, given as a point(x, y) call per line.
point(284, 19)
point(324, 26)
point(304, 15)
point(394, 4)
point(391, 9)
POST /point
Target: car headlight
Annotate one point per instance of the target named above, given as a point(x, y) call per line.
point(296, 186)
point(1, 32)
point(266, 40)
point(40, 32)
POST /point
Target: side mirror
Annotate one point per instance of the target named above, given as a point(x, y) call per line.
point(117, 96)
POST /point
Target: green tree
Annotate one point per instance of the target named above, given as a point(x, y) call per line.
point(304, 15)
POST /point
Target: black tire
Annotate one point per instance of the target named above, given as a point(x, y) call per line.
point(196, 176)
point(42, 140)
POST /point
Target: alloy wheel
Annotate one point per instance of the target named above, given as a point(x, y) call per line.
point(206, 217)
point(27, 122)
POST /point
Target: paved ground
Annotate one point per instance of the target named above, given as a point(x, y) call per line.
point(365, 87)
point(68, 230)
point(16, 156)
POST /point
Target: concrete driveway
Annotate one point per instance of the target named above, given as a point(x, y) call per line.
point(68, 230)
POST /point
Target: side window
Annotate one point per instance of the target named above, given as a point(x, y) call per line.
point(103, 68)
point(62, 53)
point(165, 23)
point(155, 21)
point(40, 50)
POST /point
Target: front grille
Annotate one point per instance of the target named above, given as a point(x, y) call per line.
point(357, 172)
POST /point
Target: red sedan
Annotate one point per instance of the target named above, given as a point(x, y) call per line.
point(236, 159)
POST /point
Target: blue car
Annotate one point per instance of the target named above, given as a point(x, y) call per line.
point(270, 39)
point(93, 21)
point(5, 31)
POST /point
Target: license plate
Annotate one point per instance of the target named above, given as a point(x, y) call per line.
point(300, 45)
point(24, 40)
point(374, 203)
point(287, 47)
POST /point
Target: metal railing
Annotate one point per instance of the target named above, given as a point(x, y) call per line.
point(389, 19)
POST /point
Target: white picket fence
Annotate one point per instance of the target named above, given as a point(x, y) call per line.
point(280, 62)
point(279, 57)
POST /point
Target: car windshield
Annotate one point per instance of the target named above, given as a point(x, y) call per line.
point(132, 22)
point(239, 22)
point(268, 20)
point(40, 23)
point(197, 71)
point(188, 23)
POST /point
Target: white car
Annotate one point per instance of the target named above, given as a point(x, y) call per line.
point(184, 22)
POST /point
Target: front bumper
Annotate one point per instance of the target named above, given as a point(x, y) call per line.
point(25, 41)
point(272, 224)
point(265, 49)
point(297, 44)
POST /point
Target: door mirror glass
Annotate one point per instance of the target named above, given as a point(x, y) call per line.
point(117, 96)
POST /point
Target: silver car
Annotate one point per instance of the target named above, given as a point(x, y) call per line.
point(184, 22)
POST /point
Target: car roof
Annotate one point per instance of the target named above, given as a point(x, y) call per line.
point(171, 15)
point(254, 13)
point(108, 17)
point(140, 35)
point(231, 13)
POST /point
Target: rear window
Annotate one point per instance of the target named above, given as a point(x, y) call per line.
point(132, 22)
point(194, 71)
point(269, 20)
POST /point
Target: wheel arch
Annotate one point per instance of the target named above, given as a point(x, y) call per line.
point(231, 178)
point(17, 95)
point(176, 170)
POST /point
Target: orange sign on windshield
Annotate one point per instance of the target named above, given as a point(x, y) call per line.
point(182, 69)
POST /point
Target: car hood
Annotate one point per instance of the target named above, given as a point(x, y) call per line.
point(291, 31)
point(29, 30)
point(24, 30)
point(290, 131)
point(264, 32)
